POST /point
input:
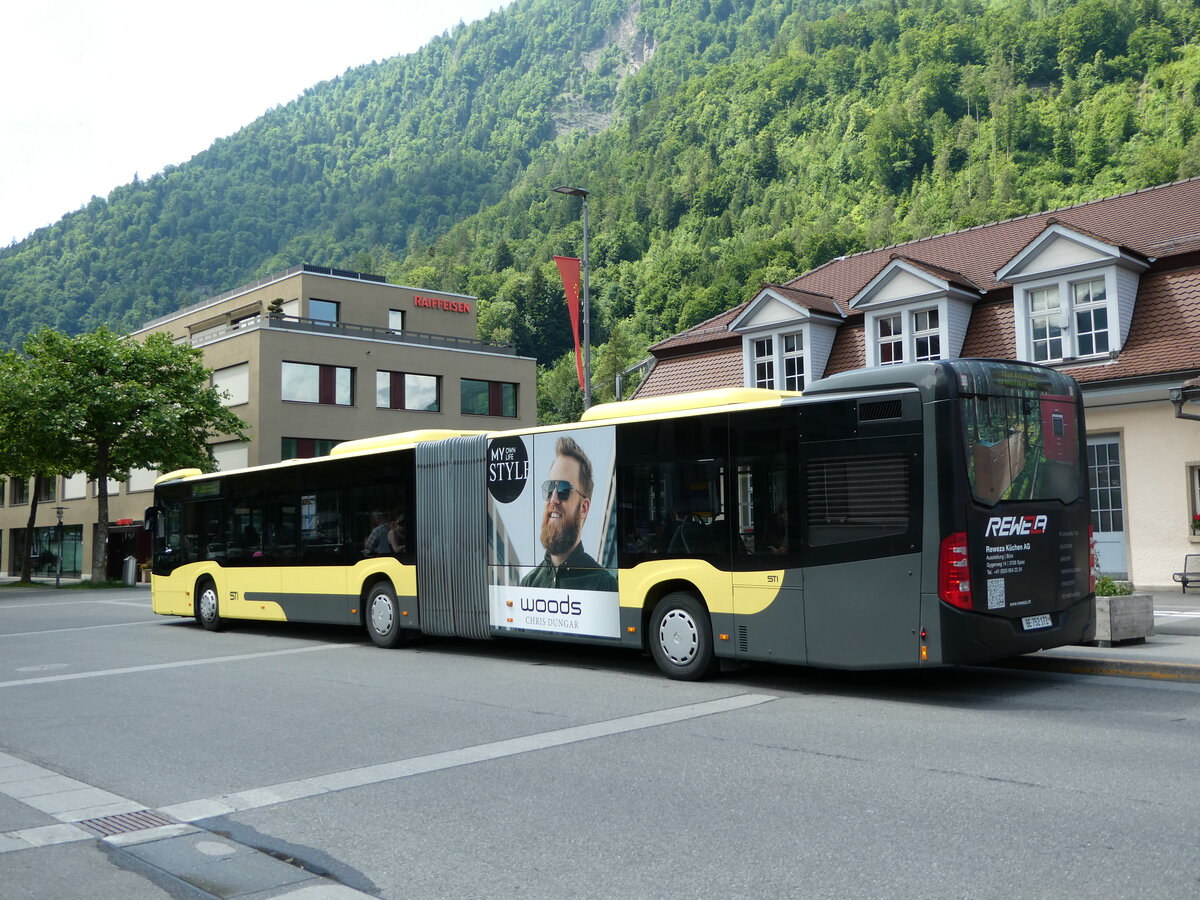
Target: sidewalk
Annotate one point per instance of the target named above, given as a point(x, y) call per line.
point(1172, 653)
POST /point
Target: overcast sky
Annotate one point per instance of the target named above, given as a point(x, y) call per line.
point(97, 90)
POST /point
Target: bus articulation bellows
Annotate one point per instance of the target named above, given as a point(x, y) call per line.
point(915, 515)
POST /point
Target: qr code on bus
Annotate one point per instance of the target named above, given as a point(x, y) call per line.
point(995, 593)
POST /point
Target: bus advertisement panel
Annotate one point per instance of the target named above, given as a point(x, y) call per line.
point(551, 562)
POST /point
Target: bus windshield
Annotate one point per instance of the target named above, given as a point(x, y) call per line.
point(1021, 438)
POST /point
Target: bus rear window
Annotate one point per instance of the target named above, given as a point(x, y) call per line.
point(1021, 447)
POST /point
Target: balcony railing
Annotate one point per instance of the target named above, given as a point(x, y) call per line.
point(346, 329)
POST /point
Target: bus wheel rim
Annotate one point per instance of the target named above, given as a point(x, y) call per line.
point(679, 637)
point(382, 614)
point(208, 604)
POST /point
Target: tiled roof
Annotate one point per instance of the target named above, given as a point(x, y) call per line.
point(992, 334)
point(709, 330)
point(675, 375)
point(1161, 224)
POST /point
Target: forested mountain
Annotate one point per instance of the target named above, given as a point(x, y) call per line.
point(724, 142)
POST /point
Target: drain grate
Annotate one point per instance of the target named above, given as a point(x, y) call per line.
point(106, 826)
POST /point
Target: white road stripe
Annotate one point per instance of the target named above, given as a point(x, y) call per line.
point(52, 793)
point(178, 664)
point(85, 628)
point(421, 765)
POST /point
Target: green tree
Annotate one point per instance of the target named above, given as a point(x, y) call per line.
point(30, 447)
point(116, 404)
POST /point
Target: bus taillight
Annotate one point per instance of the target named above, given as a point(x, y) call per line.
point(954, 579)
point(1091, 559)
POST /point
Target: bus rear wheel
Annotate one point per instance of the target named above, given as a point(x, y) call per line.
point(208, 607)
point(681, 639)
point(382, 613)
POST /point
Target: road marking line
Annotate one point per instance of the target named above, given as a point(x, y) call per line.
point(85, 628)
point(178, 664)
point(193, 810)
point(7, 606)
point(448, 759)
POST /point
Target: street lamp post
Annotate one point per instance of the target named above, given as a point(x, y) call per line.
point(586, 314)
point(58, 570)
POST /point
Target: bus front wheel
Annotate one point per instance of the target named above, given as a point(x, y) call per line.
point(208, 609)
point(681, 639)
point(383, 616)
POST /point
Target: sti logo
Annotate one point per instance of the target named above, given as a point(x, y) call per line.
point(1011, 526)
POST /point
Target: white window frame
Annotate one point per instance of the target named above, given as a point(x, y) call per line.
point(905, 340)
point(776, 360)
point(763, 363)
point(792, 358)
point(1065, 321)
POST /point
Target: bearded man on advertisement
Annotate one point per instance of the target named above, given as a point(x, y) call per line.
point(568, 495)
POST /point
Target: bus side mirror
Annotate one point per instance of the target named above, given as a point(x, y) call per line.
point(153, 521)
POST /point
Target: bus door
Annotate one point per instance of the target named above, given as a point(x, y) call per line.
point(768, 586)
point(862, 530)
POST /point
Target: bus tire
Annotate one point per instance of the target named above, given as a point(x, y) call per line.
point(208, 606)
point(681, 638)
point(382, 614)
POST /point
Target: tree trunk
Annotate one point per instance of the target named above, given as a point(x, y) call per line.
point(100, 547)
point(27, 563)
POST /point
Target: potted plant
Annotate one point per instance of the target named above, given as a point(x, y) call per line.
point(1196, 524)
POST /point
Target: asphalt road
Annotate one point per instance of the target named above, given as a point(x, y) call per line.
point(304, 762)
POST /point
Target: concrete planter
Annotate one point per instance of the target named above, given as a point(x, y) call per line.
point(1124, 620)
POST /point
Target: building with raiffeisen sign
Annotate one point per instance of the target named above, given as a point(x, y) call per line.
point(308, 357)
point(1108, 292)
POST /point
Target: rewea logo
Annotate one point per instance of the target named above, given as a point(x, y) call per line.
point(1009, 526)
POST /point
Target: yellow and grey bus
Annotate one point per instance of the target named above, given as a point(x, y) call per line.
point(913, 515)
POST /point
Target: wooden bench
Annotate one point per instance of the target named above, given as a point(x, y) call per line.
point(1191, 572)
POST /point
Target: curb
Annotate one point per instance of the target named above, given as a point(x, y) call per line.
point(1083, 665)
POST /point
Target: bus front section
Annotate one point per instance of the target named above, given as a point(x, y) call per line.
point(1014, 571)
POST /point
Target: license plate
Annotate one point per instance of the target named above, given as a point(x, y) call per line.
point(1033, 623)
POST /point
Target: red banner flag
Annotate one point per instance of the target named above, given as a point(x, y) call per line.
point(568, 269)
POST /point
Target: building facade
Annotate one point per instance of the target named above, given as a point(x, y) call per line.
point(1108, 292)
point(308, 357)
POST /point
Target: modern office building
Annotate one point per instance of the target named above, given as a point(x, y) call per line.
point(309, 357)
point(1108, 292)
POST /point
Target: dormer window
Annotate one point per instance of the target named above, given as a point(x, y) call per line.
point(1073, 295)
point(1068, 320)
point(789, 361)
point(914, 311)
point(786, 337)
point(907, 336)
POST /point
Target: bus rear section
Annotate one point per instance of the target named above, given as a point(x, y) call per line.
point(1014, 568)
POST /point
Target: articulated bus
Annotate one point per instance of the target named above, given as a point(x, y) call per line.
point(914, 515)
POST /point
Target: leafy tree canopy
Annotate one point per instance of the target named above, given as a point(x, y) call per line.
point(111, 404)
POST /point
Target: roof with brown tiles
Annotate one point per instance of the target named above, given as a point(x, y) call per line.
point(676, 375)
point(1156, 223)
point(992, 333)
point(709, 330)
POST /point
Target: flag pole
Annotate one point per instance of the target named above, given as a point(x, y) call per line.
point(582, 194)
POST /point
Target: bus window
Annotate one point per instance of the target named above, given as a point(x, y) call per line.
point(766, 484)
point(1021, 447)
point(672, 490)
point(321, 538)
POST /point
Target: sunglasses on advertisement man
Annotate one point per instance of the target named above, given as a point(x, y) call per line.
point(560, 487)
